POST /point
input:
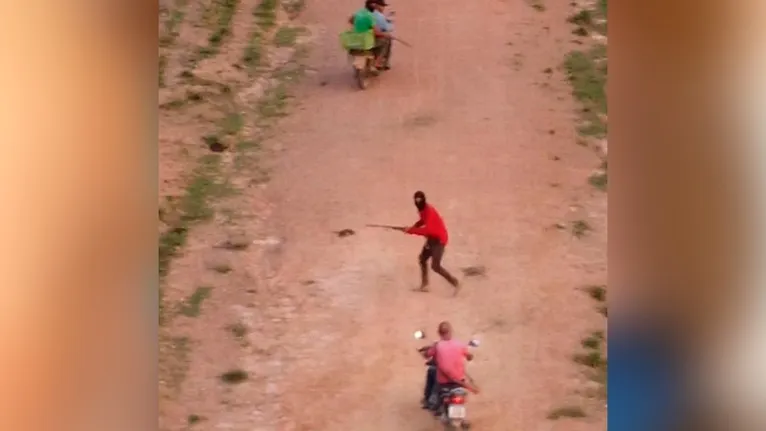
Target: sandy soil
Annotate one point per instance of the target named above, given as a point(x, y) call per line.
point(469, 116)
point(472, 120)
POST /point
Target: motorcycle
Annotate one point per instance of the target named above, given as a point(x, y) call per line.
point(362, 60)
point(451, 399)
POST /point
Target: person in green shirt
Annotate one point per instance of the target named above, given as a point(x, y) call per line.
point(364, 21)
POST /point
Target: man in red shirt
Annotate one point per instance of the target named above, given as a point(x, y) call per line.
point(449, 356)
point(432, 227)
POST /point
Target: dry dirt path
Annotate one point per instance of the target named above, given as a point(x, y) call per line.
point(469, 117)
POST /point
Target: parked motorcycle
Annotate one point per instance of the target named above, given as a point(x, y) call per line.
point(451, 399)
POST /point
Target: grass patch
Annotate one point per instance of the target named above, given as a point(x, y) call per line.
point(580, 228)
point(253, 55)
point(590, 19)
point(582, 18)
point(287, 36)
point(586, 72)
point(194, 419)
point(566, 412)
point(591, 342)
point(238, 330)
point(537, 5)
point(221, 268)
point(274, 102)
point(293, 7)
point(597, 292)
point(592, 359)
point(174, 365)
point(599, 180)
point(161, 66)
point(248, 144)
point(193, 207)
point(173, 104)
point(233, 377)
point(233, 123)
point(223, 13)
point(172, 24)
point(192, 306)
point(587, 80)
point(266, 14)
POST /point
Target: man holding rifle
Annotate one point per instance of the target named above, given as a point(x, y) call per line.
point(432, 227)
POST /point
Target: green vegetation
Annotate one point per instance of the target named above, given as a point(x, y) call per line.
point(287, 36)
point(194, 207)
point(537, 5)
point(194, 419)
point(580, 228)
point(586, 72)
point(293, 7)
point(233, 123)
point(223, 11)
point(598, 293)
point(266, 14)
point(172, 24)
point(174, 365)
point(591, 342)
point(599, 180)
point(163, 63)
point(238, 330)
point(566, 412)
point(274, 102)
point(253, 55)
point(192, 306)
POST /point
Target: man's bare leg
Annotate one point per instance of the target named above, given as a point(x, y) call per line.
point(436, 265)
point(425, 254)
point(423, 276)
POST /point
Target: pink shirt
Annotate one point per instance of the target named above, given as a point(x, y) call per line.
point(450, 358)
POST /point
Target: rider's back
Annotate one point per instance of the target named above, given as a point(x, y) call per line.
point(450, 359)
point(364, 21)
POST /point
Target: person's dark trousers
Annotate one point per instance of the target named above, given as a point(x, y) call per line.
point(428, 390)
point(382, 48)
point(387, 53)
point(434, 250)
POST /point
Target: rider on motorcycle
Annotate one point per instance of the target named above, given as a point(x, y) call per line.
point(448, 355)
point(363, 21)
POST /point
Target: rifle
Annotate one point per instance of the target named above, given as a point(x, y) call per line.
point(386, 226)
point(407, 44)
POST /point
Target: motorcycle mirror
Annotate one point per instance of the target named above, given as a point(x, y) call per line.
point(419, 335)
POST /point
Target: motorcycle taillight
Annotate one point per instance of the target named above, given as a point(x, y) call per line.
point(457, 399)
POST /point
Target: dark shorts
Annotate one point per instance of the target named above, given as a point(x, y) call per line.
point(381, 46)
point(433, 248)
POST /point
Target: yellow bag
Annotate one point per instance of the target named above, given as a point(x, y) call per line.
point(350, 39)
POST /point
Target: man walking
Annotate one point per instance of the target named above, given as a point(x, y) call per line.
point(432, 227)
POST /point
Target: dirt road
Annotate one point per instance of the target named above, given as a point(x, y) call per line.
point(468, 116)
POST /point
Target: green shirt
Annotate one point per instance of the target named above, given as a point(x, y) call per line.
point(364, 21)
